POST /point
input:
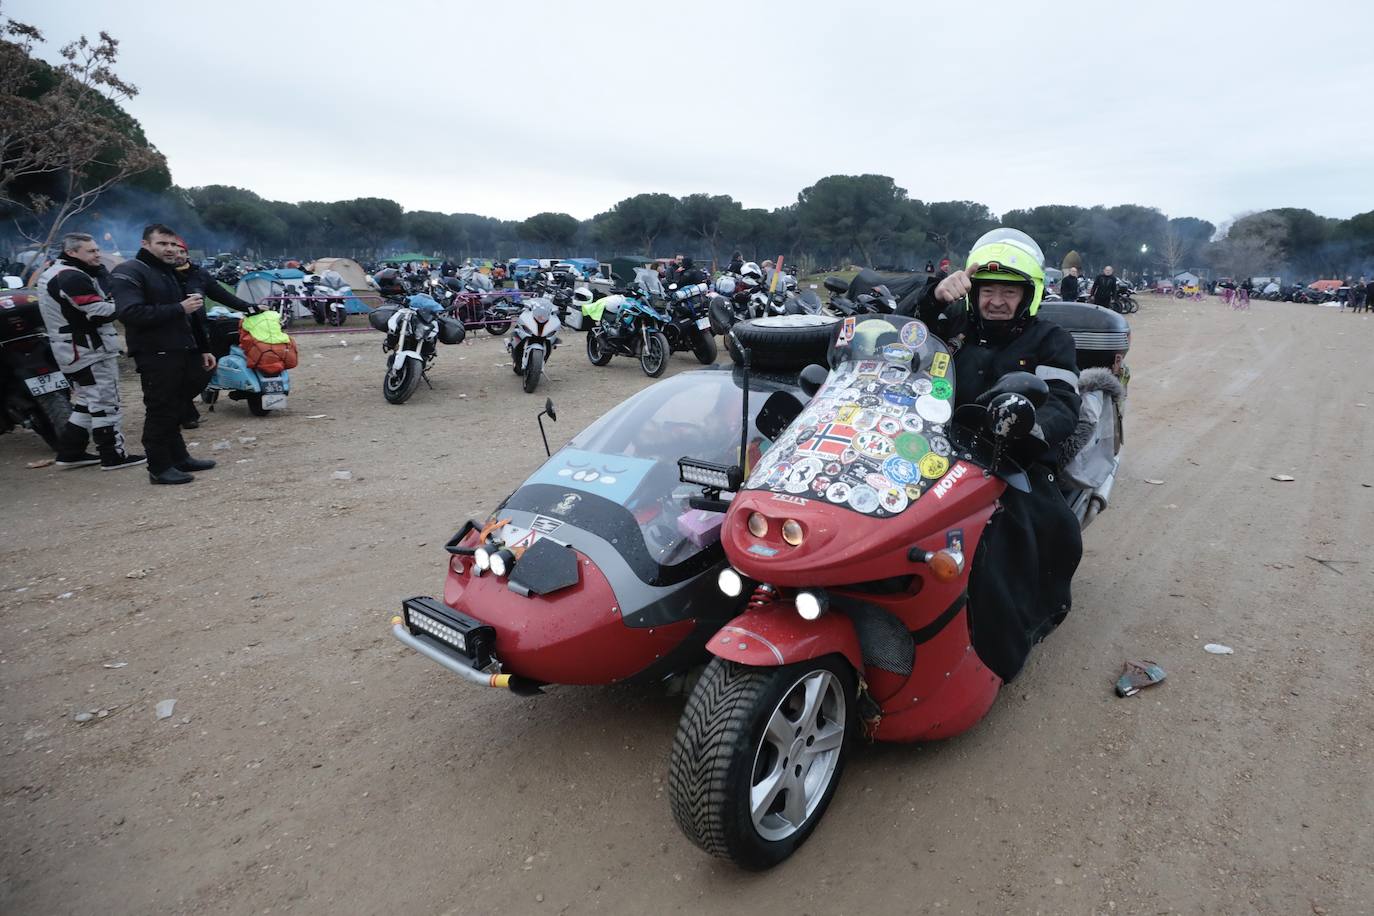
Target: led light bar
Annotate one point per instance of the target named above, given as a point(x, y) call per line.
point(709, 475)
point(440, 631)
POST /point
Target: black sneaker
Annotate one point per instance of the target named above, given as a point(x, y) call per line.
point(190, 424)
point(195, 464)
point(84, 460)
point(171, 475)
point(115, 462)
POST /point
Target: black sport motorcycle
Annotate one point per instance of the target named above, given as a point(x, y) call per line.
point(34, 393)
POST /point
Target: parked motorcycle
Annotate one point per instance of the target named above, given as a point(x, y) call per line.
point(34, 394)
point(626, 325)
point(262, 393)
point(533, 341)
point(853, 538)
point(414, 326)
point(845, 300)
point(326, 300)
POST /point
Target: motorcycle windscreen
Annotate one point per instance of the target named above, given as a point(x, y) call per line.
point(618, 478)
point(874, 438)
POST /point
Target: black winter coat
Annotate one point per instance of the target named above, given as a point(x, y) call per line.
point(147, 295)
point(1020, 581)
point(1068, 288)
point(1104, 287)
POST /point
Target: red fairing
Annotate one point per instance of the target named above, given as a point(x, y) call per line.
point(574, 636)
point(841, 546)
point(776, 635)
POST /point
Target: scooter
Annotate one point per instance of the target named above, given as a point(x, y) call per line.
point(851, 540)
point(533, 341)
point(262, 393)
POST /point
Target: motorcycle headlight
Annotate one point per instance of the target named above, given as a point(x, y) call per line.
point(730, 582)
point(811, 604)
point(792, 532)
point(482, 557)
point(501, 562)
point(758, 525)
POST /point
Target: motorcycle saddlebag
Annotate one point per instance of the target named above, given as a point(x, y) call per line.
point(224, 333)
point(451, 330)
point(1100, 335)
point(378, 317)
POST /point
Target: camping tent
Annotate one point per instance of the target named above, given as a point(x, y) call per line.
point(1187, 278)
point(1325, 285)
point(355, 277)
point(260, 284)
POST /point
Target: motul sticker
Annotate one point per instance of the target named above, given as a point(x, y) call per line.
point(947, 482)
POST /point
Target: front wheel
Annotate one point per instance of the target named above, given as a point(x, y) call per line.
point(758, 755)
point(400, 384)
point(534, 367)
point(653, 358)
point(597, 350)
point(704, 347)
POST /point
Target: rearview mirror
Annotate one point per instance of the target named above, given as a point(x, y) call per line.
point(812, 378)
point(548, 409)
point(1010, 416)
point(777, 413)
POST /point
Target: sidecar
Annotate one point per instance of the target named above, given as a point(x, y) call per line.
point(597, 569)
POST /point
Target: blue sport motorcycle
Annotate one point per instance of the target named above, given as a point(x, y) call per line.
point(627, 325)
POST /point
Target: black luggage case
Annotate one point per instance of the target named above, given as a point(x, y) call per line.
point(1101, 336)
point(224, 333)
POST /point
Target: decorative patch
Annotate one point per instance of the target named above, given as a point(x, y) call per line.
point(838, 492)
point(846, 331)
point(873, 444)
point(933, 466)
point(893, 375)
point(896, 353)
point(940, 446)
point(912, 423)
point(939, 365)
point(899, 470)
point(942, 389)
point(914, 334)
point(863, 499)
point(922, 386)
point(911, 446)
point(934, 410)
point(545, 525)
point(828, 441)
point(889, 426)
point(893, 499)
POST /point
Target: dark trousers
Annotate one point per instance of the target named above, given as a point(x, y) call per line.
point(169, 381)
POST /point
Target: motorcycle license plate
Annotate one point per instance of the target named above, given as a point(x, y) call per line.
point(273, 401)
point(704, 323)
point(273, 386)
point(46, 384)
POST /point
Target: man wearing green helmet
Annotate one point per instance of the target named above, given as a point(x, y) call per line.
point(1019, 588)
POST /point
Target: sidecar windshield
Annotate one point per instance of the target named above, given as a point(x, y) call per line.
point(873, 439)
point(618, 478)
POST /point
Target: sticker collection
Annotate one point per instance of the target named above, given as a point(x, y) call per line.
point(873, 439)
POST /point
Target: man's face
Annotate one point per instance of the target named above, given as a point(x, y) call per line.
point(165, 248)
point(1108, 271)
point(182, 256)
point(87, 253)
point(998, 301)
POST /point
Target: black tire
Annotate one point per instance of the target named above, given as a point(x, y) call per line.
point(496, 329)
point(704, 347)
point(255, 405)
point(50, 416)
point(653, 357)
point(515, 353)
point(533, 370)
point(209, 396)
point(399, 385)
point(723, 748)
point(597, 351)
point(785, 343)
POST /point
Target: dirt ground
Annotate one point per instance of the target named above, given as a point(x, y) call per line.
point(313, 765)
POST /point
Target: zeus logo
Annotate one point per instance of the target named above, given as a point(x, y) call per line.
point(949, 480)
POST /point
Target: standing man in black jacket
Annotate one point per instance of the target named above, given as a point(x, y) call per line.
point(196, 279)
point(1068, 285)
point(1104, 288)
point(168, 339)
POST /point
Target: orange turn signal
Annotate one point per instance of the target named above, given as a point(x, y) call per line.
point(945, 566)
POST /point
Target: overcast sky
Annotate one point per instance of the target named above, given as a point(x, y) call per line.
point(1201, 108)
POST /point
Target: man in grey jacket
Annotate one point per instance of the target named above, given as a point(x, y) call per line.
point(78, 315)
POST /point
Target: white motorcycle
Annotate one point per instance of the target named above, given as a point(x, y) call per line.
point(413, 327)
point(533, 341)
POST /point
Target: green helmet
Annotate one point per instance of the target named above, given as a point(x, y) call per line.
point(1010, 256)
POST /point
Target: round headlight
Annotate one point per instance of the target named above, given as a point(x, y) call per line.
point(501, 562)
point(730, 583)
point(792, 532)
point(810, 605)
point(482, 557)
point(758, 525)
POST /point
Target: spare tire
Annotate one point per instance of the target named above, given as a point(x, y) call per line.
point(787, 343)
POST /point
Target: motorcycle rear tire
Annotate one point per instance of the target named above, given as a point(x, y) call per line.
point(497, 328)
point(704, 347)
point(534, 368)
point(597, 351)
point(400, 384)
point(255, 405)
point(653, 358)
point(50, 416)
